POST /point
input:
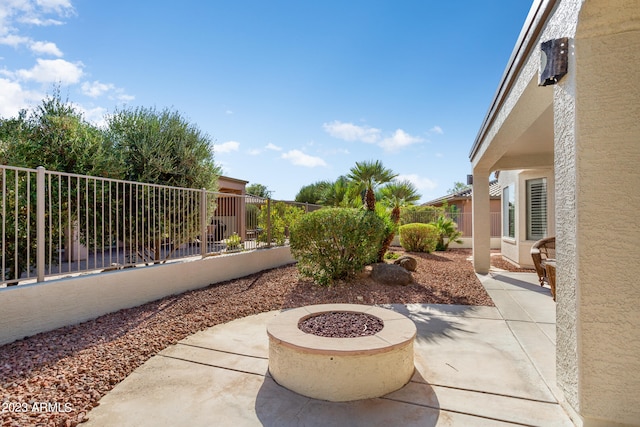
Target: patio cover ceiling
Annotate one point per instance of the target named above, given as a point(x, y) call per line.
point(524, 138)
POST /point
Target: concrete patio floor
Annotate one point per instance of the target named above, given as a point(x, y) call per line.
point(475, 366)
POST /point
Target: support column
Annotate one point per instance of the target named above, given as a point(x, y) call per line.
point(481, 222)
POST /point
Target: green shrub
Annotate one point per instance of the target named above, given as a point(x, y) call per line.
point(418, 237)
point(282, 217)
point(391, 255)
point(234, 242)
point(447, 229)
point(336, 243)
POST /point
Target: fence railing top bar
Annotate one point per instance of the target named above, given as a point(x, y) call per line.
point(116, 181)
point(248, 197)
point(18, 168)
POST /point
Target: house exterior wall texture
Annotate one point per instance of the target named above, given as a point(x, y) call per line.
point(596, 148)
point(596, 108)
point(607, 140)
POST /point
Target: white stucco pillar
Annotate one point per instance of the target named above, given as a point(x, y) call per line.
point(597, 201)
point(481, 221)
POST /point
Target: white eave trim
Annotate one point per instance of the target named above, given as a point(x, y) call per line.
point(533, 26)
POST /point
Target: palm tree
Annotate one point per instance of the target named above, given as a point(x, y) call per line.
point(396, 195)
point(368, 175)
point(340, 194)
point(446, 229)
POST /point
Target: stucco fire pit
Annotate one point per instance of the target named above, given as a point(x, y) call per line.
point(341, 369)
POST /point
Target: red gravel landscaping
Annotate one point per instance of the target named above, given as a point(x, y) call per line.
point(69, 369)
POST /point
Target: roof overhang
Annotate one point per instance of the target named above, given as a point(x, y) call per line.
point(524, 138)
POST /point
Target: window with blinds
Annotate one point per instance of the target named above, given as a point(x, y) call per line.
point(509, 211)
point(536, 208)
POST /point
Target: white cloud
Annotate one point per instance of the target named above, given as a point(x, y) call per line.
point(228, 112)
point(254, 152)
point(13, 98)
point(14, 40)
point(58, 6)
point(33, 12)
point(227, 147)
point(351, 132)
point(436, 129)
point(41, 22)
point(53, 71)
point(400, 139)
point(299, 158)
point(46, 48)
point(122, 96)
point(96, 115)
point(421, 183)
point(96, 89)
point(273, 147)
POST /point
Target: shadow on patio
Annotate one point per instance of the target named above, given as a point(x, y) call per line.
point(474, 366)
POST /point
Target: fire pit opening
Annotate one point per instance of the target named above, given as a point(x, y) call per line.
point(341, 324)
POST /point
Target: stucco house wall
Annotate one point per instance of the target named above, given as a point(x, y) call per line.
point(590, 119)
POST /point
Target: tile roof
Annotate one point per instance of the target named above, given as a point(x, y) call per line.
point(494, 193)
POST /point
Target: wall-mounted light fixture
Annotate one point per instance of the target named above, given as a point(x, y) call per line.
point(554, 58)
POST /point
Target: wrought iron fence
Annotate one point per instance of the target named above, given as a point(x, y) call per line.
point(463, 220)
point(465, 223)
point(56, 223)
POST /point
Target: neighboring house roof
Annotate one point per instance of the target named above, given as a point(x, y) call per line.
point(228, 178)
point(227, 184)
point(494, 193)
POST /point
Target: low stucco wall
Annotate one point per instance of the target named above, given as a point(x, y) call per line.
point(30, 309)
point(467, 243)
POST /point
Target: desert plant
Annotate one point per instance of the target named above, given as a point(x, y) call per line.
point(342, 193)
point(234, 242)
point(369, 175)
point(396, 195)
point(281, 218)
point(391, 255)
point(418, 237)
point(336, 243)
point(447, 229)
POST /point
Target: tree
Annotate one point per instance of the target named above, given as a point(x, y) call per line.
point(312, 193)
point(341, 193)
point(258, 190)
point(457, 186)
point(162, 147)
point(396, 195)
point(368, 175)
point(54, 135)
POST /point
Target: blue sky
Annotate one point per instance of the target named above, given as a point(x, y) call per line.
point(291, 92)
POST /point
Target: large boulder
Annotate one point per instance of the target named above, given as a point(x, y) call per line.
point(409, 263)
point(390, 274)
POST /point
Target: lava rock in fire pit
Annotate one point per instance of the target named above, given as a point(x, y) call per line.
point(391, 274)
point(341, 325)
